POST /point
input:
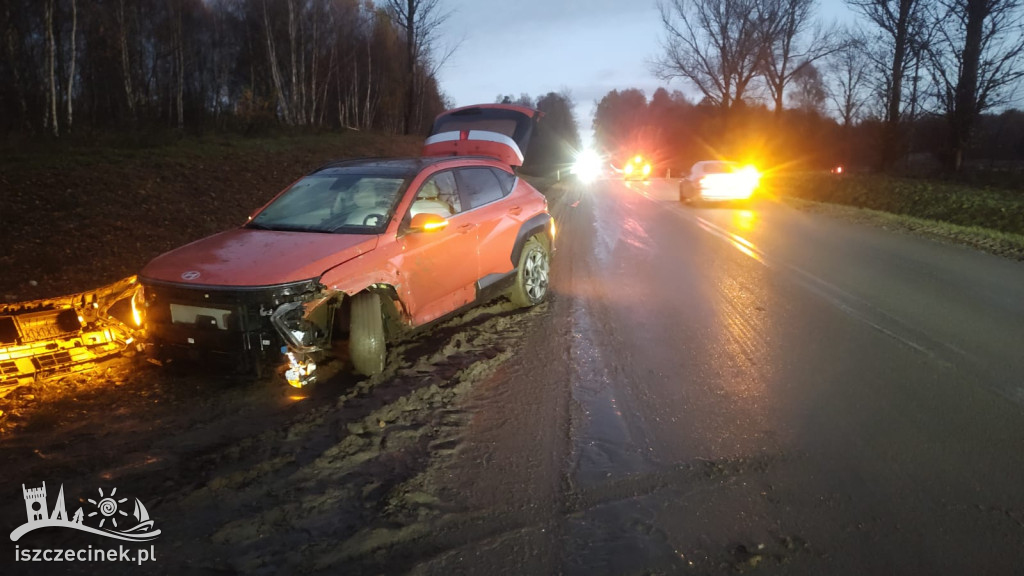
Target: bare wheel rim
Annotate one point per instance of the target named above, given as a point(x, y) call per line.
point(535, 274)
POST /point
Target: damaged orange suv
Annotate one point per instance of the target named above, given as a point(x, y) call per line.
point(363, 250)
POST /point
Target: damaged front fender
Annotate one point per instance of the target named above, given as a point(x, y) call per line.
point(306, 327)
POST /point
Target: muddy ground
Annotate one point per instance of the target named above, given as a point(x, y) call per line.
point(257, 477)
point(241, 476)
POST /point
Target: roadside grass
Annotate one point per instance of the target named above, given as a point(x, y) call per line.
point(967, 206)
point(989, 219)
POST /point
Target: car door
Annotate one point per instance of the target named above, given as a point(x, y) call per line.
point(439, 267)
point(497, 218)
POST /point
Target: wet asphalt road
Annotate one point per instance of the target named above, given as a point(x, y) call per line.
point(757, 390)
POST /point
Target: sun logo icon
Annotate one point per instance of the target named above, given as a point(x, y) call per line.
point(108, 507)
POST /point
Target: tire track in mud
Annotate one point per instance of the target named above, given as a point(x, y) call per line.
point(343, 482)
point(240, 478)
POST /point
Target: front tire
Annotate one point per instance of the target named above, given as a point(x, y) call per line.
point(532, 274)
point(367, 346)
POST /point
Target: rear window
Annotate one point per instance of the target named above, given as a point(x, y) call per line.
point(479, 186)
point(506, 180)
point(512, 123)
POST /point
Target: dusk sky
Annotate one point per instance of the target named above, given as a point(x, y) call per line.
point(588, 47)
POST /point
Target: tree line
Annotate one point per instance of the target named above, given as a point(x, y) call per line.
point(674, 131)
point(67, 65)
point(907, 64)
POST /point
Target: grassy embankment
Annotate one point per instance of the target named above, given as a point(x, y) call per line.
point(76, 215)
point(988, 218)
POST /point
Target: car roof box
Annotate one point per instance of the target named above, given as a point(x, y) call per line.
point(500, 131)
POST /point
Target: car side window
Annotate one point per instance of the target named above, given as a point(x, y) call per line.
point(479, 186)
point(506, 180)
point(438, 195)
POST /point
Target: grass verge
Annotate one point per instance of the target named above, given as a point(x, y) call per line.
point(988, 219)
point(996, 209)
point(1004, 244)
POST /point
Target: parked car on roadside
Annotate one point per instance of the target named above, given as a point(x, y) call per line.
point(718, 181)
point(363, 250)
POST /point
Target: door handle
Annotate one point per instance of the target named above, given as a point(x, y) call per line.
point(515, 210)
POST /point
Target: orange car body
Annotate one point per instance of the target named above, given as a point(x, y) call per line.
point(221, 293)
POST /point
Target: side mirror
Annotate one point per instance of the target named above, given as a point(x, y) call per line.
point(426, 222)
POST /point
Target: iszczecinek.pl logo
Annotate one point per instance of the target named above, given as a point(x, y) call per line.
point(114, 521)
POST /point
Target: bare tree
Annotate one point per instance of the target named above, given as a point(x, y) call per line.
point(12, 43)
point(975, 57)
point(791, 42)
point(50, 117)
point(275, 70)
point(296, 90)
point(126, 68)
point(809, 94)
point(900, 23)
point(179, 59)
point(181, 62)
point(849, 81)
point(420, 20)
point(713, 44)
point(71, 70)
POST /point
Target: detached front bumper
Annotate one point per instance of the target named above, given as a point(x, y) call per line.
point(58, 336)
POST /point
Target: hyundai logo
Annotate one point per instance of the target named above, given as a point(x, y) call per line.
point(190, 275)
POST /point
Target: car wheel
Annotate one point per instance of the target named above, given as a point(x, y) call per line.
point(367, 346)
point(531, 285)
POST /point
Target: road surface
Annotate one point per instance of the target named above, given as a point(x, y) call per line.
point(708, 391)
point(721, 389)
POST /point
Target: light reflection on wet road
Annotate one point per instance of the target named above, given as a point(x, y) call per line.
point(723, 390)
point(751, 398)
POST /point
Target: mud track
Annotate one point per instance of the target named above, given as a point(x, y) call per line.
point(256, 477)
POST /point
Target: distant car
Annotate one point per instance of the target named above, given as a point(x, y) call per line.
point(363, 250)
point(637, 168)
point(717, 181)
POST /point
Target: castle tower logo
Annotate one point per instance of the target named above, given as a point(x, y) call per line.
point(108, 516)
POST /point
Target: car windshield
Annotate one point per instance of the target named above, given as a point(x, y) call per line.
point(334, 202)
